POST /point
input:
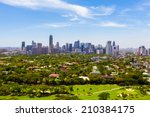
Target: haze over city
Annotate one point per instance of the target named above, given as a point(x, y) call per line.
point(126, 21)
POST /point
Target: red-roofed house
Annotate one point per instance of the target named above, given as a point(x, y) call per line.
point(54, 75)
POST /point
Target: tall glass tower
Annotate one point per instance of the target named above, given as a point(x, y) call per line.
point(51, 44)
point(23, 45)
point(108, 48)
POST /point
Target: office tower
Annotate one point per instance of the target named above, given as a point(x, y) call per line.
point(87, 45)
point(93, 47)
point(77, 44)
point(67, 47)
point(99, 46)
point(51, 44)
point(114, 44)
point(82, 47)
point(57, 46)
point(34, 50)
point(23, 46)
point(142, 51)
point(39, 48)
point(63, 48)
point(70, 47)
point(114, 51)
point(45, 50)
point(29, 49)
point(108, 48)
point(33, 44)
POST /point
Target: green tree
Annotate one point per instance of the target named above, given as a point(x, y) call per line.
point(104, 96)
point(71, 88)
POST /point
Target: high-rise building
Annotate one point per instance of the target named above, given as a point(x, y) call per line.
point(114, 44)
point(70, 47)
point(33, 44)
point(29, 49)
point(39, 48)
point(34, 50)
point(67, 47)
point(57, 46)
point(77, 44)
point(108, 48)
point(23, 45)
point(142, 50)
point(82, 47)
point(51, 44)
point(63, 48)
point(45, 50)
point(99, 46)
point(115, 49)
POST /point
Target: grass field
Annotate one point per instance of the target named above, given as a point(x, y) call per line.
point(91, 92)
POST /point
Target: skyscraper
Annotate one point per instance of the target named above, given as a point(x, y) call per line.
point(108, 48)
point(57, 46)
point(45, 50)
point(67, 47)
point(115, 49)
point(23, 45)
point(51, 44)
point(82, 47)
point(39, 48)
point(77, 44)
point(142, 50)
point(70, 47)
point(33, 44)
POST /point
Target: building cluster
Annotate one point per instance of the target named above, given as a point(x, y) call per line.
point(76, 47)
point(142, 51)
point(34, 48)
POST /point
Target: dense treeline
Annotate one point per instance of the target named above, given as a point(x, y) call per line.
point(30, 75)
point(40, 78)
point(15, 89)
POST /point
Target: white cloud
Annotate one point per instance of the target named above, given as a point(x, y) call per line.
point(125, 11)
point(55, 4)
point(143, 5)
point(146, 4)
point(102, 10)
point(148, 24)
point(78, 10)
point(112, 24)
point(72, 17)
point(53, 25)
point(75, 18)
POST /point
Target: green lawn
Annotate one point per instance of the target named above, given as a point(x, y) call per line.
point(26, 98)
point(91, 92)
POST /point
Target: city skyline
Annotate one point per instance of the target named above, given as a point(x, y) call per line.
point(36, 48)
point(126, 22)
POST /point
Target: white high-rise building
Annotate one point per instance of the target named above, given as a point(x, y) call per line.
point(142, 50)
point(108, 48)
point(115, 51)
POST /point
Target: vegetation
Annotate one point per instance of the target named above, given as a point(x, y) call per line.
point(104, 96)
point(71, 76)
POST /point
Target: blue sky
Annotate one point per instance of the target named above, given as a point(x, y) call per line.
point(125, 21)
